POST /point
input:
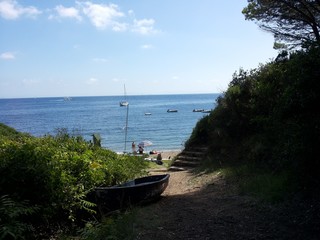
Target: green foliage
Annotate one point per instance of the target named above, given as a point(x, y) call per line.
point(57, 173)
point(199, 133)
point(117, 227)
point(12, 225)
point(8, 132)
point(293, 22)
point(268, 119)
point(267, 186)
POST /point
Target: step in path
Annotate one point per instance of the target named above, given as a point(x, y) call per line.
point(189, 158)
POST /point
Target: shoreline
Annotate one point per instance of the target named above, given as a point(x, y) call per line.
point(167, 154)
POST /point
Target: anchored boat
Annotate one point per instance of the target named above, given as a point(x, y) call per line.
point(172, 110)
point(124, 103)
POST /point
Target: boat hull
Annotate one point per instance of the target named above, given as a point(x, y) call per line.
point(172, 110)
point(123, 104)
point(138, 191)
point(197, 110)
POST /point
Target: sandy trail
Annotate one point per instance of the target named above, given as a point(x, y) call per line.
point(205, 206)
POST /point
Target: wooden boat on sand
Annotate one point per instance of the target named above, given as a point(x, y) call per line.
point(137, 191)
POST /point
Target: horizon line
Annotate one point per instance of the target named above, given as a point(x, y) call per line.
point(133, 95)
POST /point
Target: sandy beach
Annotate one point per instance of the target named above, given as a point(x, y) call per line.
point(167, 155)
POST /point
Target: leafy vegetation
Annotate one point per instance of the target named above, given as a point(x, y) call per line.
point(264, 132)
point(293, 23)
point(8, 132)
point(265, 129)
point(268, 121)
point(51, 179)
point(12, 225)
point(120, 226)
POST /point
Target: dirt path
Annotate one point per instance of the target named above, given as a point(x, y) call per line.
point(204, 206)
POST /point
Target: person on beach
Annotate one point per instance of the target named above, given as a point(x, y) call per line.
point(140, 149)
point(133, 148)
point(159, 159)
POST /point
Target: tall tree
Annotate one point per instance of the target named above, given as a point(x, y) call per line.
point(293, 22)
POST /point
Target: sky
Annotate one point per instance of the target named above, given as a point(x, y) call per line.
point(94, 47)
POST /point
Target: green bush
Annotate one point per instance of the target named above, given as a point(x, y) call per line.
point(12, 218)
point(56, 174)
point(120, 226)
point(268, 118)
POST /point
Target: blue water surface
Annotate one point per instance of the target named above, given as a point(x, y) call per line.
point(103, 115)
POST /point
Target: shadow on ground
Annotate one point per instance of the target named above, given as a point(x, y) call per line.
point(216, 212)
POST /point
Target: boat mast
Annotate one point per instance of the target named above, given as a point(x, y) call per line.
point(124, 103)
point(126, 130)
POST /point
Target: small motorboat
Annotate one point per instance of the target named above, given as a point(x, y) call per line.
point(207, 111)
point(137, 191)
point(198, 110)
point(147, 114)
point(172, 110)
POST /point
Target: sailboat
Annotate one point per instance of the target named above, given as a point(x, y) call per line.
point(124, 103)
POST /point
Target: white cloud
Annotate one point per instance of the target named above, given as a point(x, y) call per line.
point(144, 26)
point(65, 12)
point(10, 9)
point(102, 16)
point(7, 56)
point(119, 27)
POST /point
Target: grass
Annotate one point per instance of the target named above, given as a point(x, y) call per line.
point(267, 186)
point(263, 184)
point(154, 165)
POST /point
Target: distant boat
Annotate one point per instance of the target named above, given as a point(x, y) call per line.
point(130, 193)
point(147, 114)
point(197, 110)
point(207, 111)
point(172, 110)
point(67, 98)
point(124, 103)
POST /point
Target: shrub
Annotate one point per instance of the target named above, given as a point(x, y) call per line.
point(12, 215)
point(56, 173)
point(267, 118)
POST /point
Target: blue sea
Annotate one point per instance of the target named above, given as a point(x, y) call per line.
point(87, 115)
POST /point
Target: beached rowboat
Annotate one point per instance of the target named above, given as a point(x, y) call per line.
point(137, 191)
